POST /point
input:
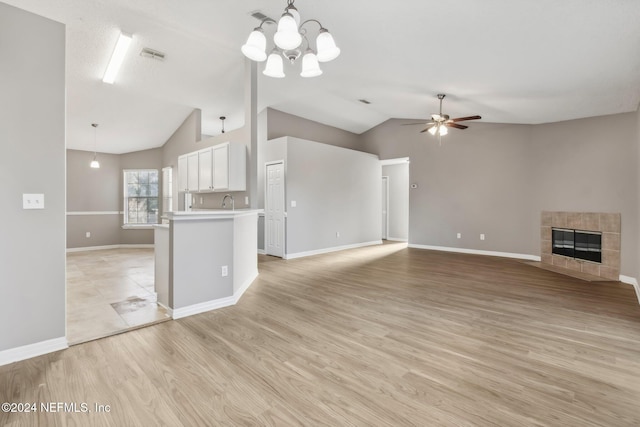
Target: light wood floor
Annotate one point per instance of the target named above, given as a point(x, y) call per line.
point(375, 336)
point(110, 291)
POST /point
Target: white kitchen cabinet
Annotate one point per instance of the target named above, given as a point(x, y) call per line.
point(188, 172)
point(229, 167)
point(205, 169)
point(222, 167)
point(183, 176)
point(192, 171)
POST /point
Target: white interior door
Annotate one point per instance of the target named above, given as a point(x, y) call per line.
point(385, 207)
point(274, 210)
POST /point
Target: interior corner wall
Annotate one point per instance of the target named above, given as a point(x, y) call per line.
point(283, 124)
point(589, 165)
point(95, 198)
point(474, 181)
point(495, 179)
point(32, 160)
point(336, 191)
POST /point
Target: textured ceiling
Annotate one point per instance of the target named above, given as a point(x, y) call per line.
point(527, 61)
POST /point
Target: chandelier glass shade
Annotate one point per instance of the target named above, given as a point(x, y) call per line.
point(290, 39)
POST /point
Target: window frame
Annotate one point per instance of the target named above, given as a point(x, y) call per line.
point(167, 190)
point(125, 200)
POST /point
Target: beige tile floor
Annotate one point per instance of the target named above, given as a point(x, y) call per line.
point(110, 291)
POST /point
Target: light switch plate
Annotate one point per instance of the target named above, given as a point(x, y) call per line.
point(293, 204)
point(33, 201)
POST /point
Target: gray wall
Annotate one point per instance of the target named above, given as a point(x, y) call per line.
point(398, 211)
point(32, 160)
point(336, 190)
point(461, 184)
point(283, 124)
point(93, 190)
point(597, 160)
point(496, 179)
point(101, 190)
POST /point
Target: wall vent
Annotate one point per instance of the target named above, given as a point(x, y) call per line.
point(258, 15)
point(153, 54)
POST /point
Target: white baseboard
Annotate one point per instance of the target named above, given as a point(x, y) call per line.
point(179, 313)
point(633, 282)
point(396, 239)
point(262, 252)
point(477, 252)
point(99, 248)
point(332, 249)
point(32, 350)
point(246, 285)
point(191, 310)
point(169, 310)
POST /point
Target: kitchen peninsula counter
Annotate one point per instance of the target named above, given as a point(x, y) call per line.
point(205, 259)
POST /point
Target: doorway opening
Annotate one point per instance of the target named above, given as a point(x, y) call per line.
point(395, 199)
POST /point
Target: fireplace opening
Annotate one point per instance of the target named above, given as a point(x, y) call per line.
point(585, 245)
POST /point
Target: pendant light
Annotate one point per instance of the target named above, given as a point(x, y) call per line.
point(222, 119)
point(291, 39)
point(95, 164)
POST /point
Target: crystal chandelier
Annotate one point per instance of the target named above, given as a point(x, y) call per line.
point(289, 39)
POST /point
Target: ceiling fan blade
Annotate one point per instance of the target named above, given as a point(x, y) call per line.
point(460, 119)
point(416, 123)
point(455, 125)
point(427, 128)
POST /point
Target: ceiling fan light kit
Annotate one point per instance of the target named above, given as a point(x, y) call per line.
point(289, 37)
point(440, 123)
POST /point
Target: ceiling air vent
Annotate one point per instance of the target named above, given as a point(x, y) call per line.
point(258, 15)
point(153, 54)
point(364, 101)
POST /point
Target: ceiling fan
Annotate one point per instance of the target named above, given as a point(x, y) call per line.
point(440, 122)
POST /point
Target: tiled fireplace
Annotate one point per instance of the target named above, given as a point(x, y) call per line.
point(606, 225)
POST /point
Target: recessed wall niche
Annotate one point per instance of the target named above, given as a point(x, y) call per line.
point(608, 224)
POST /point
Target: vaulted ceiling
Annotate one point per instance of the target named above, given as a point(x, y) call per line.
point(527, 61)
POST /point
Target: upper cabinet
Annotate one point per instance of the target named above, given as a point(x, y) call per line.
point(188, 172)
point(205, 169)
point(222, 167)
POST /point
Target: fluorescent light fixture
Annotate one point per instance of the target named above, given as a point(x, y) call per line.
point(116, 58)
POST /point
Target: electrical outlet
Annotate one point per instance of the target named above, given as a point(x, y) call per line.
point(33, 201)
point(459, 235)
point(246, 200)
point(482, 237)
point(88, 234)
point(337, 234)
point(201, 200)
point(225, 271)
point(293, 204)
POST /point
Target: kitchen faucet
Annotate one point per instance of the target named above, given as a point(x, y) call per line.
point(233, 204)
